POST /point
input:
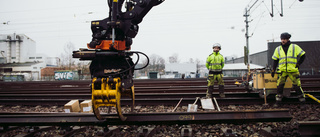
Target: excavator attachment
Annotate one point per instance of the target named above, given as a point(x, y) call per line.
point(111, 66)
point(107, 92)
point(112, 78)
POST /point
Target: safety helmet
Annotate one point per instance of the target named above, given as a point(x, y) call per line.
point(285, 35)
point(216, 45)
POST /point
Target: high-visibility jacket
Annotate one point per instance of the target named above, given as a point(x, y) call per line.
point(215, 62)
point(287, 62)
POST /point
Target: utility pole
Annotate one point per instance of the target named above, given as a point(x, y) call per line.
point(246, 15)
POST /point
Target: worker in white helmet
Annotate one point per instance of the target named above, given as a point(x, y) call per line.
point(215, 63)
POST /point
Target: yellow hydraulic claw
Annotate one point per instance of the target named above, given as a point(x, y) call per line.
point(131, 91)
point(107, 92)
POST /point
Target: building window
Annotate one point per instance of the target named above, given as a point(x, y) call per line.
point(31, 57)
point(34, 67)
point(13, 57)
point(7, 70)
point(39, 57)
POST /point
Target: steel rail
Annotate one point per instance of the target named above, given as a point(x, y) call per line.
point(309, 128)
point(81, 85)
point(156, 101)
point(156, 89)
point(50, 119)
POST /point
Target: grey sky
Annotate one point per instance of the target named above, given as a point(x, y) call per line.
point(184, 27)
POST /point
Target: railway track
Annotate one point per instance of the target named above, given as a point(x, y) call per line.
point(80, 119)
point(68, 122)
point(156, 85)
point(148, 92)
point(141, 99)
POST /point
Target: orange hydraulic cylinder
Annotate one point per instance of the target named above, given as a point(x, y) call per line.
point(107, 45)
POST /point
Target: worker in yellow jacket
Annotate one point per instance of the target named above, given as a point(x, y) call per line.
point(286, 56)
point(215, 63)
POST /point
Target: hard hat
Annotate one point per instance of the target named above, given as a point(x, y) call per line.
point(216, 45)
point(285, 35)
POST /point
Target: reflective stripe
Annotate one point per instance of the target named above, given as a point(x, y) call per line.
point(216, 70)
point(212, 64)
point(279, 51)
point(292, 57)
point(300, 53)
point(282, 58)
point(293, 46)
point(292, 62)
point(274, 57)
point(287, 63)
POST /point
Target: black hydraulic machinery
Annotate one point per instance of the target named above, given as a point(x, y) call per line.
point(111, 65)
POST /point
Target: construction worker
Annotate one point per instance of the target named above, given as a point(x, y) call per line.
point(286, 56)
point(215, 63)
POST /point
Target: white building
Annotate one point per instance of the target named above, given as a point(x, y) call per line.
point(176, 70)
point(18, 57)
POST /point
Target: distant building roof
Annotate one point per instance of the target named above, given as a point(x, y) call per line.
point(19, 64)
point(240, 66)
point(181, 67)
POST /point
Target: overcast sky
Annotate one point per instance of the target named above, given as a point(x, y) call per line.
point(188, 28)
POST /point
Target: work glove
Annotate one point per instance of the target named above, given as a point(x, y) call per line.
point(272, 73)
point(297, 65)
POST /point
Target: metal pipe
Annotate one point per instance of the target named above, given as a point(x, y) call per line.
point(271, 8)
point(114, 17)
point(18, 49)
point(281, 14)
point(312, 97)
point(9, 49)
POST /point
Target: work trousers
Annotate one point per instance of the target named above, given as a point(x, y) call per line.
point(215, 77)
point(211, 79)
point(296, 83)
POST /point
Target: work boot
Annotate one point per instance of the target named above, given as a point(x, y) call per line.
point(278, 100)
point(222, 95)
point(221, 91)
point(302, 102)
point(277, 104)
point(209, 92)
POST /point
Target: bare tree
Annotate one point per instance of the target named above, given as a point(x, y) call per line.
point(191, 60)
point(197, 61)
point(66, 57)
point(83, 68)
point(156, 63)
point(174, 58)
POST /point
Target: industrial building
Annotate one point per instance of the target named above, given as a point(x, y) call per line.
point(19, 60)
point(259, 58)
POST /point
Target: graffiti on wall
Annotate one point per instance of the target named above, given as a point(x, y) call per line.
point(63, 75)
